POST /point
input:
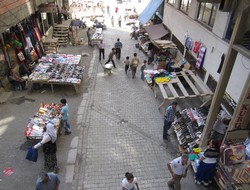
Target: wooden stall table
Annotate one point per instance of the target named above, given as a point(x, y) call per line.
point(58, 69)
point(47, 113)
point(75, 85)
point(197, 87)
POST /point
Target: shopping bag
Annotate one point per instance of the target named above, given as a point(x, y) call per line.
point(32, 154)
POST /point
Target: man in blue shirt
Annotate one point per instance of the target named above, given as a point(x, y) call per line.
point(47, 181)
point(169, 118)
point(64, 113)
point(118, 47)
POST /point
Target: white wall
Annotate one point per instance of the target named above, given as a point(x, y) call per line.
point(179, 23)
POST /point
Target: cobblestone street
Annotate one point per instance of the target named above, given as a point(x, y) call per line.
point(123, 129)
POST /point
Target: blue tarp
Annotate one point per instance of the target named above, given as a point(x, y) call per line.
point(149, 11)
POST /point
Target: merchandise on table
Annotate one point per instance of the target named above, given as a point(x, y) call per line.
point(63, 68)
point(158, 76)
point(46, 113)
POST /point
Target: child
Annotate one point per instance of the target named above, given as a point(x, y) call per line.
point(143, 67)
point(127, 63)
point(129, 182)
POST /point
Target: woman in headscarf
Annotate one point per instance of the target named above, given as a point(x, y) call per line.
point(49, 148)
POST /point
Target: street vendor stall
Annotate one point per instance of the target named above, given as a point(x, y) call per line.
point(97, 36)
point(58, 69)
point(177, 85)
point(47, 113)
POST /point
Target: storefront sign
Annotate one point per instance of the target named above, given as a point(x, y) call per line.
point(242, 114)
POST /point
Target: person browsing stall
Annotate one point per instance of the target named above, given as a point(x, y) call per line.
point(65, 113)
point(49, 148)
point(169, 118)
point(178, 169)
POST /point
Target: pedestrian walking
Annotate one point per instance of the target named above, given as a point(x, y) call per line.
point(49, 148)
point(118, 47)
point(64, 119)
point(143, 67)
point(130, 182)
point(169, 118)
point(111, 57)
point(47, 181)
point(178, 169)
point(134, 64)
point(120, 21)
point(101, 47)
point(133, 35)
point(89, 36)
point(207, 164)
point(127, 63)
point(59, 15)
point(112, 21)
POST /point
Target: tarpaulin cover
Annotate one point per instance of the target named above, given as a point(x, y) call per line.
point(156, 31)
point(148, 12)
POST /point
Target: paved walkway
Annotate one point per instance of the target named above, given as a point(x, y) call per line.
point(122, 129)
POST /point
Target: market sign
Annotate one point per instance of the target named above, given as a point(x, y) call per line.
point(241, 117)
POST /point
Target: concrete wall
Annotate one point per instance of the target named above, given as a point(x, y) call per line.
point(12, 11)
point(180, 23)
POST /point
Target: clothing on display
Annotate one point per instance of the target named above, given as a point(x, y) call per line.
point(63, 68)
point(201, 57)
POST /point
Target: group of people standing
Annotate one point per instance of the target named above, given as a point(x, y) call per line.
point(116, 51)
point(48, 178)
point(178, 167)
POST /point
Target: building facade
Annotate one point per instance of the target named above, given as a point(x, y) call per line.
point(210, 23)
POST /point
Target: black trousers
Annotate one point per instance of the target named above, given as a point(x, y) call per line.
point(118, 53)
point(101, 54)
point(111, 61)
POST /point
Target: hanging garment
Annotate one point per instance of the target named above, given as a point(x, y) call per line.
point(189, 43)
point(201, 57)
point(196, 47)
point(221, 63)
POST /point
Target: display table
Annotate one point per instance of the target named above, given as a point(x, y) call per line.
point(97, 36)
point(46, 113)
point(196, 87)
point(58, 69)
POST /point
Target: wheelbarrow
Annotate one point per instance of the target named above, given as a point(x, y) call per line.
point(107, 68)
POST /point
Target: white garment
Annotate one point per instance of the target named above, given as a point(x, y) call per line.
point(128, 185)
point(210, 160)
point(50, 135)
point(177, 167)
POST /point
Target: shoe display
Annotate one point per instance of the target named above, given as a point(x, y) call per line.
point(67, 133)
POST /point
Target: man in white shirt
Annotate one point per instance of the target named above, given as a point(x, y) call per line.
point(178, 169)
point(101, 47)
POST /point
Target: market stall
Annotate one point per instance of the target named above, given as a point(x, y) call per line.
point(97, 36)
point(179, 85)
point(58, 69)
point(47, 113)
point(233, 166)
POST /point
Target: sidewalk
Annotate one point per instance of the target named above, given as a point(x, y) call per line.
point(123, 129)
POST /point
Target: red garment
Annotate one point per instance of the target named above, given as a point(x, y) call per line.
point(196, 47)
point(116, 10)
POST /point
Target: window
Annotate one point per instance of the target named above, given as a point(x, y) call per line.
point(184, 5)
point(171, 2)
point(207, 12)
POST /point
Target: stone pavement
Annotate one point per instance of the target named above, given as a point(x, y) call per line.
point(122, 128)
